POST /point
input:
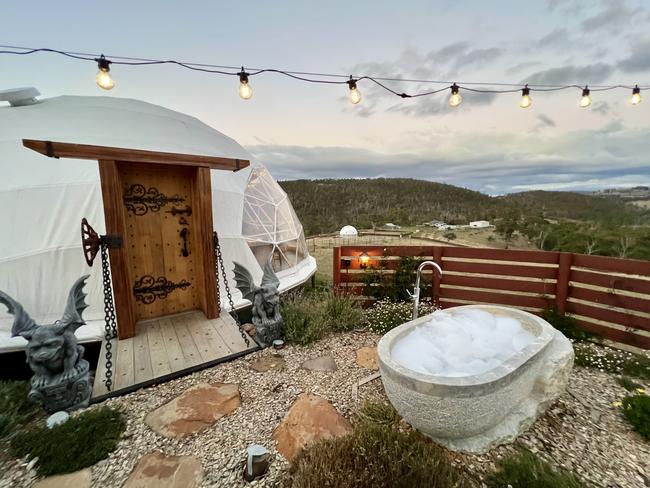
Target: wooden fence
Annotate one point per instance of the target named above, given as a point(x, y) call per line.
point(607, 296)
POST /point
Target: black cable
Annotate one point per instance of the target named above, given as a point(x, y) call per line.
point(303, 76)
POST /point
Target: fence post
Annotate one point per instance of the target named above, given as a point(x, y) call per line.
point(336, 266)
point(563, 274)
point(437, 258)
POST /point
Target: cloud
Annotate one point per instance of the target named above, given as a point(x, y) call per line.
point(601, 107)
point(521, 66)
point(639, 58)
point(492, 162)
point(545, 121)
point(570, 74)
point(558, 37)
point(615, 16)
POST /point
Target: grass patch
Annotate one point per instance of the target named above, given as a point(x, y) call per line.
point(628, 384)
point(612, 360)
point(78, 443)
point(567, 325)
point(525, 470)
point(16, 410)
point(636, 409)
point(309, 317)
point(385, 315)
point(376, 455)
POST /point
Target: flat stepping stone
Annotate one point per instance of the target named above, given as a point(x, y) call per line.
point(78, 479)
point(309, 419)
point(367, 358)
point(156, 470)
point(321, 363)
point(268, 363)
point(195, 409)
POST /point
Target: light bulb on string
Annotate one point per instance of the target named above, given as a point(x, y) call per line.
point(585, 101)
point(455, 98)
point(526, 101)
point(636, 95)
point(355, 95)
point(245, 90)
point(103, 78)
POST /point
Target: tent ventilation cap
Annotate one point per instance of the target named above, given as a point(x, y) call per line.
point(17, 97)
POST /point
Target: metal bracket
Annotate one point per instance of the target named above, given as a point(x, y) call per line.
point(112, 241)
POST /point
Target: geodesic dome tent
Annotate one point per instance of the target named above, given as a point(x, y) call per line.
point(348, 231)
point(44, 199)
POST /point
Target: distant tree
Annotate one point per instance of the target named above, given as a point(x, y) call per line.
point(450, 236)
point(624, 244)
point(506, 227)
point(592, 246)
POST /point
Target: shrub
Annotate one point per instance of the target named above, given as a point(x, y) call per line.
point(310, 317)
point(628, 384)
point(76, 444)
point(385, 315)
point(16, 410)
point(525, 470)
point(612, 360)
point(376, 455)
point(636, 409)
point(567, 325)
point(396, 286)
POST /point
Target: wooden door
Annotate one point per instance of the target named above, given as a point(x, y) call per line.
point(162, 230)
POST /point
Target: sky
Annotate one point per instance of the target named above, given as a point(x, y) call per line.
point(302, 130)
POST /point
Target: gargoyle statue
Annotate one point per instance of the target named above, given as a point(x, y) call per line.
point(61, 375)
point(266, 302)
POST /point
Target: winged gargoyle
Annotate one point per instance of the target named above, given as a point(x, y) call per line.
point(52, 350)
point(266, 302)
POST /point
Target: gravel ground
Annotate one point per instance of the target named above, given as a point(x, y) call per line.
point(583, 431)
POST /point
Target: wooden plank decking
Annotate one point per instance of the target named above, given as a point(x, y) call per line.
point(167, 346)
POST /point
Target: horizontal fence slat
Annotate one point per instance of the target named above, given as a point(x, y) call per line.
point(387, 250)
point(615, 335)
point(609, 315)
point(547, 288)
point(492, 297)
point(611, 299)
point(500, 269)
point(611, 281)
point(603, 263)
point(545, 257)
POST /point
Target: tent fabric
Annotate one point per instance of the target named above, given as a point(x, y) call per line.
point(44, 199)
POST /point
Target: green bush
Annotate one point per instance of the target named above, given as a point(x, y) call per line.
point(385, 315)
point(396, 286)
point(16, 410)
point(310, 317)
point(76, 444)
point(375, 455)
point(525, 470)
point(567, 325)
point(628, 384)
point(636, 409)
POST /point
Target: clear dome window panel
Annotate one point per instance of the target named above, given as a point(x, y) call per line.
point(261, 252)
point(280, 260)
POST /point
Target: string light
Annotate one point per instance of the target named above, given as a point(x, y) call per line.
point(636, 95)
point(106, 82)
point(245, 90)
point(526, 101)
point(355, 95)
point(585, 101)
point(455, 99)
point(103, 78)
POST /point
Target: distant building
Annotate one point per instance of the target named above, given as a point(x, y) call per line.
point(348, 231)
point(390, 226)
point(479, 224)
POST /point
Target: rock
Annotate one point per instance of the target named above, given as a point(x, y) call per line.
point(160, 471)
point(78, 479)
point(249, 329)
point(267, 363)
point(310, 418)
point(57, 418)
point(195, 409)
point(321, 363)
point(367, 358)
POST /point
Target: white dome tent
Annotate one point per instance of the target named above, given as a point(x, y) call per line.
point(348, 231)
point(44, 200)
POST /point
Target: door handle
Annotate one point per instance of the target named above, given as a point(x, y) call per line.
point(184, 234)
point(181, 211)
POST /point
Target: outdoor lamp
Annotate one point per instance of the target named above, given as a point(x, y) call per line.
point(636, 95)
point(455, 98)
point(364, 259)
point(346, 263)
point(245, 90)
point(354, 95)
point(585, 101)
point(103, 78)
point(526, 101)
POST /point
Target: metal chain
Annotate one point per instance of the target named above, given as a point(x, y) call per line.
point(220, 266)
point(110, 325)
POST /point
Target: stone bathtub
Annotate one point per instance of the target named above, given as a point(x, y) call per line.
point(475, 412)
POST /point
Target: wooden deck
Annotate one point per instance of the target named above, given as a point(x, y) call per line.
point(166, 347)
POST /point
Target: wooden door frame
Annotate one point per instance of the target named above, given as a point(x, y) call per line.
point(108, 159)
